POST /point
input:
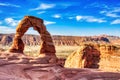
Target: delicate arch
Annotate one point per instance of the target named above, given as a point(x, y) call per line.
point(47, 47)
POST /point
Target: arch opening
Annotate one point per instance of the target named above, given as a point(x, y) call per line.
point(32, 43)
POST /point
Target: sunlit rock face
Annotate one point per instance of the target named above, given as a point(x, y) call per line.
point(14, 66)
point(94, 56)
point(46, 47)
point(87, 56)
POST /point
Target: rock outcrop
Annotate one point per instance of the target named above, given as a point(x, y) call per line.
point(103, 57)
point(47, 46)
point(20, 67)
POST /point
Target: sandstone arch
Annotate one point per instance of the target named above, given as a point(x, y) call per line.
point(46, 47)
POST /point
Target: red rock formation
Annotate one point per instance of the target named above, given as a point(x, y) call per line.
point(85, 57)
point(47, 46)
point(95, 56)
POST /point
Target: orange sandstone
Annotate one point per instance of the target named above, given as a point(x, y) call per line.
point(46, 48)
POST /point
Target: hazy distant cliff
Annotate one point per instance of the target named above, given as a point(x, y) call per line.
point(6, 39)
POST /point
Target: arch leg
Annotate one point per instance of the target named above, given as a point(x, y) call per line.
point(47, 47)
point(18, 45)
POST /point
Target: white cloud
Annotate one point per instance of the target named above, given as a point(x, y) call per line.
point(5, 29)
point(41, 12)
point(44, 6)
point(111, 12)
point(112, 15)
point(90, 19)
point(48, 22)
point(102, 12)
point(117, 21)
point(79, 18)
point(8, 4)
point(11, 21)
point(57, 16)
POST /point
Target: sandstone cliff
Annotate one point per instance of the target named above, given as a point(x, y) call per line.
point(6, 39)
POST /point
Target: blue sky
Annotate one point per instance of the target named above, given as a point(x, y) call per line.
point(64, 17)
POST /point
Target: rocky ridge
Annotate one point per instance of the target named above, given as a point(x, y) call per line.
point(6, 39)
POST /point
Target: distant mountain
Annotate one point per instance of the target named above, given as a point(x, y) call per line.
point(6, 39)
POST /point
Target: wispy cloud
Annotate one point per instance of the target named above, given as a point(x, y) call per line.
point(11, 21)
point(116, 9)
point(43, 6)
point(57, 16)
point(41, 12)
point(48, 22)
point(8, 4)
point(111, 12)
point(65, 5)
point(89, 19)
point(5, 29)
point(97, 5)
point(117, 21)
point(112, 15)
point(70, 17)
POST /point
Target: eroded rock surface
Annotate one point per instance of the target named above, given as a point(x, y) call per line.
point(20, 67)
point(103, 57)
point(46, 47)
